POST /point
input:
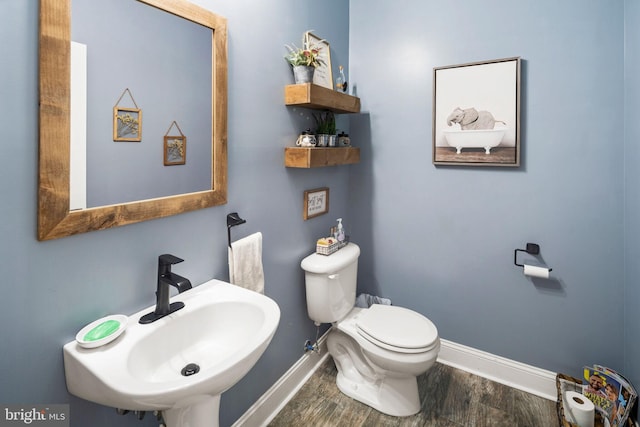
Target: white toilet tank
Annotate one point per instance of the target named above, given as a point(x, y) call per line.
point(331, 283)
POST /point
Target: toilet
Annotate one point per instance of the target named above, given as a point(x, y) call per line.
point(379, 351)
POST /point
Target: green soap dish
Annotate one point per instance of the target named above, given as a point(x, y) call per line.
point(102, 331)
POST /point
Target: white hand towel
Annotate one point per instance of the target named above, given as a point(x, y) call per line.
point(245, 263)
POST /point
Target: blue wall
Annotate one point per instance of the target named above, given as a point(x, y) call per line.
point(632, 196)
point(438, 240)
point(51, 289)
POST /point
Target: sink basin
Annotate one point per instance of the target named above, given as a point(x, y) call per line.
point(181, 363)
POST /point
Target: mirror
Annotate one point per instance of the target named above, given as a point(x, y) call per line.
point(119, 47)
point(55, 219)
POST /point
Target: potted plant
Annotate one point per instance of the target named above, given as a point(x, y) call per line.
point(326, 129)
point(304, 60)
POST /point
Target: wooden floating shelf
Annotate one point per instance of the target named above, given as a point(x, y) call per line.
point(314, 157)
point(317, 97)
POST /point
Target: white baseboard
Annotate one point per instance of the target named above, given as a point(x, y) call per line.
point(273, 400)
point(514, 374)
point(530, 379)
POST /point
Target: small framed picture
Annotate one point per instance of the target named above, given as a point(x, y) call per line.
point(322, 76)
point(316, 202)
point(476, 113)
point(127, 124)
point(175, 150)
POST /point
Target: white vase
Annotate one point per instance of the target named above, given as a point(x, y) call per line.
point(303, 74)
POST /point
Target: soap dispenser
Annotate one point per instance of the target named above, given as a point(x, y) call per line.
point(340, 231)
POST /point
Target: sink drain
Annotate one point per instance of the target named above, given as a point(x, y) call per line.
point(190, 369)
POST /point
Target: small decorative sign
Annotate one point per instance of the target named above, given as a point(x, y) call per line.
point(127, 122)
point(322, 76)
point(316, 202)
point(175, 147)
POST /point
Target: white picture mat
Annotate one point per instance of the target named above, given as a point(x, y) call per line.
point(317, 202)
point(490, 87)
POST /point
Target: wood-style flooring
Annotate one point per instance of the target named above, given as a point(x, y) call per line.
point(450, 398)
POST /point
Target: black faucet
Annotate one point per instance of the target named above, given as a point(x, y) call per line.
point(165, 279)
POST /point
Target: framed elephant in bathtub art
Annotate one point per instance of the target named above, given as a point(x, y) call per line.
point(476, 113)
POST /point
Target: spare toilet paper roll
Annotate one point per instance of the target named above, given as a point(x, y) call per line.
point(578, 409)
point(535, 271)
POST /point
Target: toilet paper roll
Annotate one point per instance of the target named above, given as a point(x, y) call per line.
point(578, 409)
point(535, 271)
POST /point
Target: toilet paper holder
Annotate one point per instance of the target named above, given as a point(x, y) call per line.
point(532, 249)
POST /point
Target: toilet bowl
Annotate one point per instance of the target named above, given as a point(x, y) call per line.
point(375, 372)
point(379, 351)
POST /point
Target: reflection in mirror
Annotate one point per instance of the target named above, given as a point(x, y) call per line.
point(127, 42)
point(128, 182)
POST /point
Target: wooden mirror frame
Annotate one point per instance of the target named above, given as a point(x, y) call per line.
point(55, 219)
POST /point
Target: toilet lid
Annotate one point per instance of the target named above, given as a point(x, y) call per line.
point(397, 328)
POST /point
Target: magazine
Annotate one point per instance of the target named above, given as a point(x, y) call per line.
point(611, 394)
point(626, 397)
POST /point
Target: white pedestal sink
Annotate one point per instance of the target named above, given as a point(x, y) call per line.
point(221, 333)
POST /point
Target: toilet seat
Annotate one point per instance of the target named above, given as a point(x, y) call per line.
point(397, 329)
